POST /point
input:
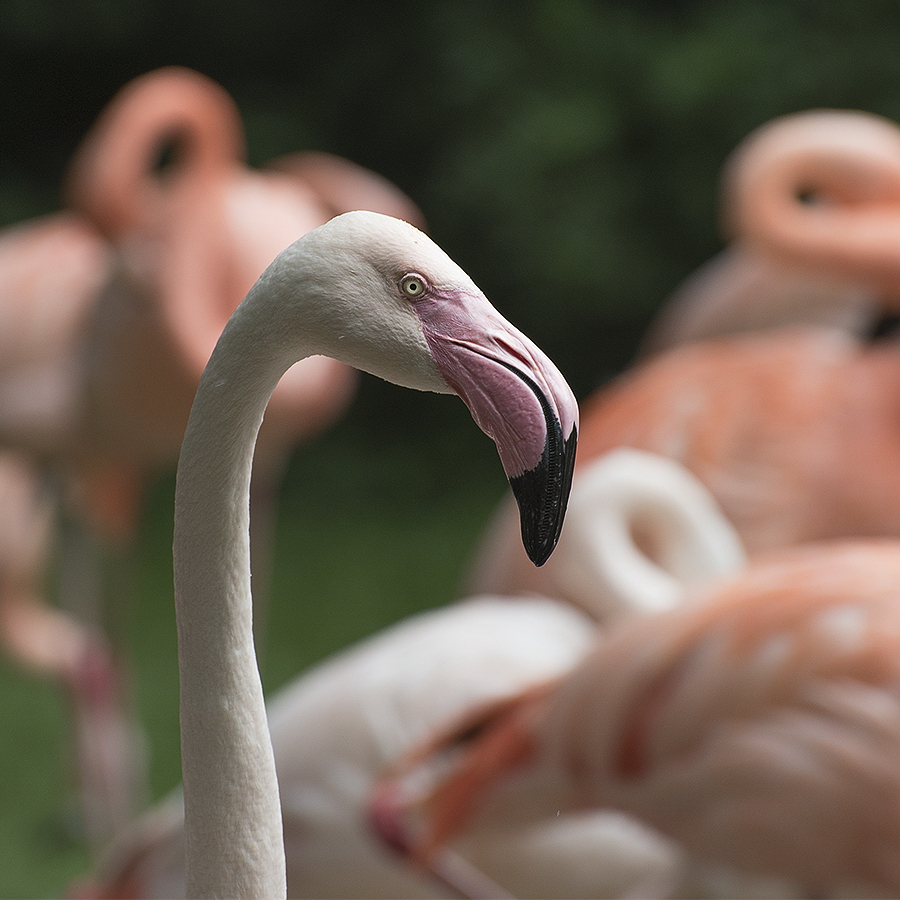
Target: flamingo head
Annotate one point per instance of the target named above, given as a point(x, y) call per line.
point(381, 296)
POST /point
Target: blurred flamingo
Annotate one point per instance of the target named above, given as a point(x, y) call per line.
point(190, 239)
point(792, 430)
point(109, 311)
point(338, 726)
point(795, 433)
point(809, 202)
point(55, 644)
point(759, 728)
point(640, 532)
point(51, 270)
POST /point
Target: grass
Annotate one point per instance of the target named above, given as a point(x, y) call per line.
point(376, 521)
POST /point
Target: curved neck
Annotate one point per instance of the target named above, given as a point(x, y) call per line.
point(641, 533)
point(112, 180)
point(234, 842)
point(852, 229)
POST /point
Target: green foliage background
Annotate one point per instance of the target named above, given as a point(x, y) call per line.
point(565, 152)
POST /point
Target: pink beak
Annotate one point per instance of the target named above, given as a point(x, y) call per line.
point(518, 397)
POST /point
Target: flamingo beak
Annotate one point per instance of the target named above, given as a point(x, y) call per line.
point(518, 397)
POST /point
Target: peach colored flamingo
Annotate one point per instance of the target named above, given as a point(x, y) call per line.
point(376, 292)
point(337, 727)
point(759, 728)
point(51, 270)
point(190, 242)
point(793, 432)
point(808, 204)
point(54, 644)
point(640, 532)
point(179, 248)
point(98, 362)
point(766, 421)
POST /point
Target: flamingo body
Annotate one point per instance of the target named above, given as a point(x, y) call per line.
point(337, 727)
point(51, 270)
point(758, 727)
point(147, 265)
point(743, 289)
point(793, 433)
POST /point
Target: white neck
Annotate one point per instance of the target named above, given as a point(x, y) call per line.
point(234, 841)
point(641, 533)
point(333, 292)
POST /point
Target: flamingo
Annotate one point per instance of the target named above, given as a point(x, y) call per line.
point(791, 429)
point(793, 432)
point(640, 531)
point(44, 304)
point(110, 309)
point(375, 292)
point(190, 241)
point(807, 203)
point(337, 727)
point(147, 266)
point(758, 727)
point(54, 644)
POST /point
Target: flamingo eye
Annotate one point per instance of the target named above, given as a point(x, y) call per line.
point(412, 285)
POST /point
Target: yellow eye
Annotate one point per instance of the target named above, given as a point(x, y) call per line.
point(412, 285)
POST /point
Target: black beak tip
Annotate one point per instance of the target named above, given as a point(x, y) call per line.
point(542, 494)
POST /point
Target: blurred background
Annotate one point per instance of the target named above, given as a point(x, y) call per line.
point(565, 152)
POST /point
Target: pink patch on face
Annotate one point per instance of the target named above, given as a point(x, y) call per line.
point(484, 358)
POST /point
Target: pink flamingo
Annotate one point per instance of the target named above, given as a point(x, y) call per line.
point(794, 433)
point(55, 644)
point(111, 309)
point(807, 201)
point(759, 728)
point(190, 242)
point(336, 728)
point(768, 421)
point(51, 270)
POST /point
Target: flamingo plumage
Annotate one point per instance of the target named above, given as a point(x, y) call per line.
point(793, 432)
point(792, 429)
point(190, 241)
point(334, 730)
point(55, 644)
point(146, 267)
point(758, 727)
